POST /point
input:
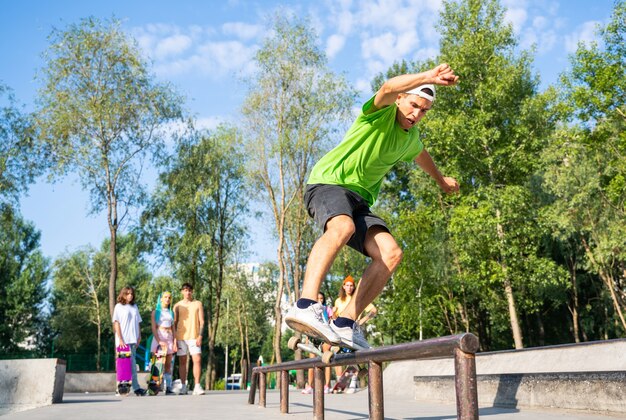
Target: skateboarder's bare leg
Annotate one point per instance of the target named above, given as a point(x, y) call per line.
point(386, 256)
point(339, 230)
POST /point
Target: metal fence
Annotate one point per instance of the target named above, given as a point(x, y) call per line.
point(82, 362)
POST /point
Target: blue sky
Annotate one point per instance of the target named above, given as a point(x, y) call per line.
point(204, 48)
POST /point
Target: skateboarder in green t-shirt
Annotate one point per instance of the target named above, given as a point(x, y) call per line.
point(343, 186)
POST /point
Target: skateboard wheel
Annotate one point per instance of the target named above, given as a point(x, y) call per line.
point(293, 343)
point(328, 356)
point(335, 349)
point(362, 373)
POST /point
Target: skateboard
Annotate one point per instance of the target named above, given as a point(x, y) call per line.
point(315, 347)
point(123, 366)
point(344, 380)
point(157, 365)
point(347, 375)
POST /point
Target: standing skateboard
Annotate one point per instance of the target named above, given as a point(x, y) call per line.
point(155, 380)
point(347, 375)
point(123, 366)
point(344, 380)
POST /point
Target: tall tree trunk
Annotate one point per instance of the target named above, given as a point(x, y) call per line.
point(246, 376)
point(282, 270)
point(99, 351)
point(573, 308)
point(508, 288)
point(113, 257)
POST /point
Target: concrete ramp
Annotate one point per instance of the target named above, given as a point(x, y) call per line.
point(30, 383)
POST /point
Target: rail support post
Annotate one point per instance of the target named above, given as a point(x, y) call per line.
point(262, 388)
point(253, 387)
point(375, 389)
point(465, 385)
point(318, 393)
point(284, 391)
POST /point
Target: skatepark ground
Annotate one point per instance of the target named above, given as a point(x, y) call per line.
point(234, 405)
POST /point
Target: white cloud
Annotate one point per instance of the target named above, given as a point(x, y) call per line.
point(345, 22)
point(517, 17)
point(201, 50)
point(386, 30)
point(389, 46)
point(540, 22)
point(243, 31)
point(585, 33)
point(363, 85)
point(334, 44)
point(426, 53)
point(228, 55)
point(172, 46)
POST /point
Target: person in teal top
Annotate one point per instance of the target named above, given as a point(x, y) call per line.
point(345, 183)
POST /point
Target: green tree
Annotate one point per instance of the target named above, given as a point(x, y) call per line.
point(586, 164)
point(102, 115)
point(195, 218)
point(79, 297)
point(493, 129)
point(488, 132)
point(23, 275)
point(247, 323)
point(20, 154)
point(80, 315)
point(292, 110)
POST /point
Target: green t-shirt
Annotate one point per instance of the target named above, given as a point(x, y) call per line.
point(370, 148)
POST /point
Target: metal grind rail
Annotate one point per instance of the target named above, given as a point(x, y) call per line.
point(462, 347)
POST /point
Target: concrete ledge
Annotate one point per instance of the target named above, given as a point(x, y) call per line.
point(526, 375)
point(89, 382)
point(96, 381)
point(31, 383)
point(597, 391)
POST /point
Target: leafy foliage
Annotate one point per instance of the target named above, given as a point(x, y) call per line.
point(20, 154)
point(23, 275)
point(102, 115)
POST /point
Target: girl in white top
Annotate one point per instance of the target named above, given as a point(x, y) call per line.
point(126, 321)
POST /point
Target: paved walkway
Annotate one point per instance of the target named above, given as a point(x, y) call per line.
point(234, 405)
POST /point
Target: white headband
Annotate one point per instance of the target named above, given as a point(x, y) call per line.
point(419, 91)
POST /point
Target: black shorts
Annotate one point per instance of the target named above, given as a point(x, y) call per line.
point(324, 202)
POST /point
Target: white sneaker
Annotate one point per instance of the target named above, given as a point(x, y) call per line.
point(197, 390)
point(183, 390)
point(310, 321)
point(352, 337)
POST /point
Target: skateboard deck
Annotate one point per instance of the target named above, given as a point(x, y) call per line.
point(123, 369)
point(155, 379)
point(315, 347)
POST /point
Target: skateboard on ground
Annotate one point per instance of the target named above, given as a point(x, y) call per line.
point(344, 380)
point(157, 365)
point(123, 366)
